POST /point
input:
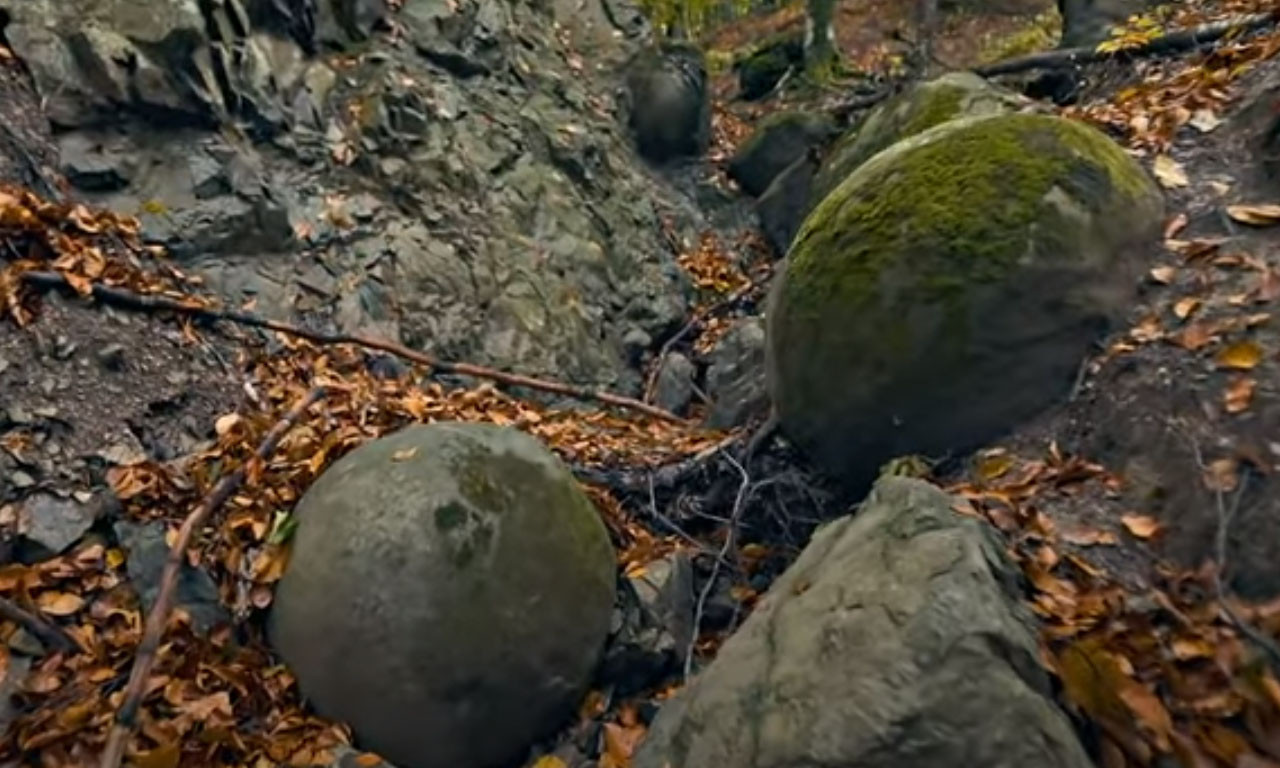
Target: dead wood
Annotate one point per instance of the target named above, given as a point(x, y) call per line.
point(52, 636)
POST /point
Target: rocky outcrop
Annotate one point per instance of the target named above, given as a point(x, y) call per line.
point(668, 104)
point(465, 187)
point(896, 639)
point(448, 594)
point(921, 107)
point(949, 288)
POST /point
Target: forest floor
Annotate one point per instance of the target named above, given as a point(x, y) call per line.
point(1154, 652)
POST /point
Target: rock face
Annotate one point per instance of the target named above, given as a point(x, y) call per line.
point(449, 594)
point(760, 72)
point(950, 97)
point(668, 102)
point(736, 378)
point(779, 140)
point(896, 639)
point(465, 186)
point(784, 205)
point(950, 287)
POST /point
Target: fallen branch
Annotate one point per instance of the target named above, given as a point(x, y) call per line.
point(700, 317)
point(1174, 42)
point(842, 109)
point(129, 300)
point(158, 618)
point(666, 476)
point(52, 636)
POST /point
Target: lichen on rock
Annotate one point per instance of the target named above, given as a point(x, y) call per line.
point(950, 286)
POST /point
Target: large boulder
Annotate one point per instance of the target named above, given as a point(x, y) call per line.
point(448, 595)
point(897, 639)
point(787, 201)
point(760, 71)
point(951, 286)
point(950, 97)
point(779, 140)
point(668, 102)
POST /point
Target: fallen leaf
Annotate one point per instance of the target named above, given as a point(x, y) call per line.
point(1170, 172)
point(1185, 306)
point(1088, 537)
point(59, 603)
point(1194, 336)
point(546, 761)
point(1204, 120)
point(1141, 526)
point(1257, 215)
point(1149, 710)
point(1163, 274)
point(1239, 394)
point(1221, 475)
point(1175, 225)
point(1188, 648)
point(161, 757)
point(993, 466)
point(405, 455)
point(226, 423)
point(1240, 356)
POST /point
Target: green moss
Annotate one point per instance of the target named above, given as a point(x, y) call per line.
point(962, 207)
point(940, 104)
point(1040, 33)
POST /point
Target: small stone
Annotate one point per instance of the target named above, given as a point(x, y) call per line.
point(54, 523)
point(674, 387)
point(20, 416)
point(111, 357)
point(4, 365)
point(147, 551)
point(21, 480)
point(64, 348)
point(176, 378)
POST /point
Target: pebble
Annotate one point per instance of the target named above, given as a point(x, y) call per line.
point(21, 479)
point(111, 357)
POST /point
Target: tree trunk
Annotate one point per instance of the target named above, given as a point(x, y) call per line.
point(927, 19)
point(820, 39)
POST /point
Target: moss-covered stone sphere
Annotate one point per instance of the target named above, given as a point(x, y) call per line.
point(923, 106)
point(448, 595)
point(950, 288)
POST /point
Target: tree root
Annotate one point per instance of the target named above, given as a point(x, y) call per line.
point(120, 297)
point(158, 618)
point(50, 635)
point(1174, 42)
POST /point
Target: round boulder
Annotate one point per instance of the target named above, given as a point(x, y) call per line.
point(448, 595)
point(668, 102)
point(780, 140)
point(924, 106)
point(951, 286)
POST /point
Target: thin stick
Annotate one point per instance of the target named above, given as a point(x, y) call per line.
point(729, 537)
point(126, 718)
point(128, 299)
point(51, 635)
point(1174, 42)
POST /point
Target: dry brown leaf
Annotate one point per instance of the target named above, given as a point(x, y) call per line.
point(226, 423)
point(404, 455)
point(1239, 394)
point(1185, 306)
point(993, 466)
point(1149, 711)
point(1175, 225)
point(1141, 526)
point(1241, 355)
point(1221, 475)
point(1170, 172)
point(1196, 335)
point(1163, 274)
point(59, 603)
point(1088, 537)
point(167, 756)
point(546, 761)
point(1262, 215)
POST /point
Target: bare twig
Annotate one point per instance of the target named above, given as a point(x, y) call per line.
point(130, 300)
point(1174, 42)
point(52, 636)
point(158, 618)
point(665, 476)
point(729, 537)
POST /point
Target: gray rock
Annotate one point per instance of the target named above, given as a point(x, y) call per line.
point(736, 377)
point(788, 200)
point(654, 624)
point(96, 164)
point(778, 141)
point(54, 523)
point(475, 582)
point(674, 387)
point(669, 107)
point(898, 638)
point(146, 551)
point(12, 676)
point(665, 594)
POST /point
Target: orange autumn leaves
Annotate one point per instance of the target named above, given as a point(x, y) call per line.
point(1160, 672)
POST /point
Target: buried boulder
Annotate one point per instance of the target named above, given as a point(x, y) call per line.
point(951, 287)
point(668, 104)
point(896, 639)
point(449, 594)
point(780, 140)
point(953, 96)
